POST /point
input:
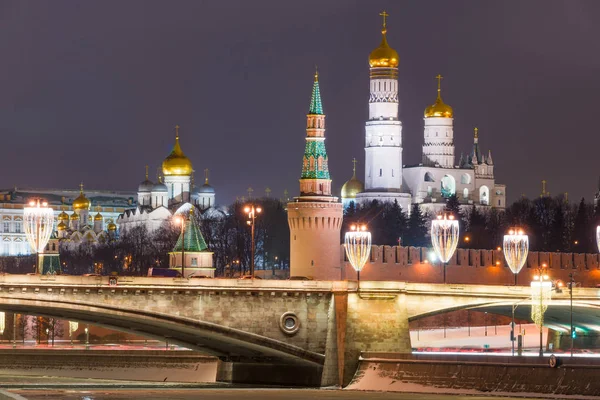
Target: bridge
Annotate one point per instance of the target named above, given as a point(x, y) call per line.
point(312, 329)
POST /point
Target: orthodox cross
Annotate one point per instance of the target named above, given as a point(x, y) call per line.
point(439, 79)
point(250, 190)
point(268, 192)
point(206, 176)
point(384, 15)
point(354, 166)
point(177, 131)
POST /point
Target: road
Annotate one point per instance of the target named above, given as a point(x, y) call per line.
point(221, 394)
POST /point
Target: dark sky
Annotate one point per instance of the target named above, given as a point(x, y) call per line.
point(90, 90)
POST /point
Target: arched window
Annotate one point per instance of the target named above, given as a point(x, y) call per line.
point(465, 179)
point(484, 195)
point(465, 193)
point(448, 186)
point(428, 177)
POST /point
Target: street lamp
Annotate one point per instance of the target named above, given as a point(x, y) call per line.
point(571, 282)
point(38, 221)
point(180, 219)
point(516, 248)
point(444, 238)
point(598, 237)
point(541, 294)
point(252, 210)
point(87, 338)
point(357, 243)
point(2, 322)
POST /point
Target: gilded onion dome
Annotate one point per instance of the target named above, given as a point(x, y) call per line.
point(112, 227)
point(98, 217)
point(61, 226)
point(384, 56)
point(74, 216)
point(81, 202)
point(177, 163)
point(439, 108)
point(352, 187)
point(63, 216)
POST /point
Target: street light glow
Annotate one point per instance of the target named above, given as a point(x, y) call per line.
point(516, 248)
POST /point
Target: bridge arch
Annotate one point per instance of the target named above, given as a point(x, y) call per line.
point(210, 338)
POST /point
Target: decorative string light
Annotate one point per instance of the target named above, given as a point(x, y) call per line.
point(357, 243)
point(2, 322)
point(541, 295)
point(516, 248)
point(73, 325)
point(444, 236)
point(38, 221)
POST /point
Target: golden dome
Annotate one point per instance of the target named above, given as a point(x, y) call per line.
point(63, 216)
point(352, 187)
point(61, 226)
point(439, 108)
point(384, 56)
point(74, 216)
point(81, 202)
point(112, 226)
point(177, 163)
point(98, 217)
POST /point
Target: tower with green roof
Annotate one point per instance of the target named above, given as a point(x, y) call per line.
point(315, 217)
point(315, 179)
point(191, 247)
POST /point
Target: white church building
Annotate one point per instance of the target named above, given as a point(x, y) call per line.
point(438, 176)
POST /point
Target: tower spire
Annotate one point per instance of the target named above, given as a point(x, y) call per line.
point(206, 176)
point(176, 132)
point(315, 99)
point(146, 172)
point(354, 167)
point(315, 179)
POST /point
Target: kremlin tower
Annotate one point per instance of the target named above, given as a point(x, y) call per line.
point(315, 217)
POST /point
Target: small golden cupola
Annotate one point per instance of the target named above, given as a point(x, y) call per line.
point(384, 56)
point(439, 109)
point(177, 163)
point(353, 186)
point(81, 202)
point(63, 216)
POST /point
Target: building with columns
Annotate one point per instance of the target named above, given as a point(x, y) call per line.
point(438, 175)
point(315, 217)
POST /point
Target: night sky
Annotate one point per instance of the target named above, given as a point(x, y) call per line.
point(91, 90)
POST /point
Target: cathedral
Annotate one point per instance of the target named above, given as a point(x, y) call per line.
point(438, 175)
point(173, 193)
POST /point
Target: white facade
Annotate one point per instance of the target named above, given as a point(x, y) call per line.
point(109, 204)
point(438, 145)
point(178, 187)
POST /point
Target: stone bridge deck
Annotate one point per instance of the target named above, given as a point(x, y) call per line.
point(315, 324)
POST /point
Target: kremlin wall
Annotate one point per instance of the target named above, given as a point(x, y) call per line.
point(468, 266)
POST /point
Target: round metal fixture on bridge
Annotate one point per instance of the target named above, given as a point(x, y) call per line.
point(289, 323)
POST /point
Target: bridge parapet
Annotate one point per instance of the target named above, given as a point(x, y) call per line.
point(471, 266)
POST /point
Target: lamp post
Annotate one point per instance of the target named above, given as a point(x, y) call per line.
point(252, 210)
point(516, 248)
point(357, 243)
point(541, 294)
point(87, 338)
point(38, 221)
point(571, 281)
point(181, 220)
point(73, 325)
point(444, 237)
